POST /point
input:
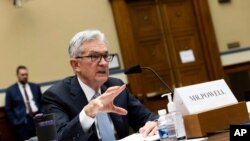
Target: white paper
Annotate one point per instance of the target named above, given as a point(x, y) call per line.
point(139, 137)
point(198, 139)
point(187, 56)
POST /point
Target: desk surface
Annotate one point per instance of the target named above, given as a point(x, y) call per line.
point(219, 137)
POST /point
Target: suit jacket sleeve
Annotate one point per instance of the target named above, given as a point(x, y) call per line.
point(65, 100)
point(14, 107)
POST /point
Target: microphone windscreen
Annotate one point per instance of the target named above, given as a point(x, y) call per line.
point(133, 69)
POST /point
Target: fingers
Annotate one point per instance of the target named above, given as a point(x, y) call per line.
point(104, 103)
point(115, 90)
point(111, 93)
point(154, 131)
point(93, 108)
point(149, 129)
point(119, 110)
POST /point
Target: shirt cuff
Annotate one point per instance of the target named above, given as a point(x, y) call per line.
point(86, 121)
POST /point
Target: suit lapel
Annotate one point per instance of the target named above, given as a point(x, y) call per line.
point(77, 94)
point(18, 95)
point(33, 91)
point(17, 89)
point(18, 92)
point(103, 88)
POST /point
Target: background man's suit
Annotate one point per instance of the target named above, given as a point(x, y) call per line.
point(16, 110)
point(66, 99)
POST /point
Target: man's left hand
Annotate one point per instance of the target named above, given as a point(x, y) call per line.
point(149, 129)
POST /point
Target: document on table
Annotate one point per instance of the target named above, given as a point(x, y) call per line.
point(139, 137)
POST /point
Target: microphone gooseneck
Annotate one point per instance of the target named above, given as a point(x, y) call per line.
point(138, 69)
point(157, 75)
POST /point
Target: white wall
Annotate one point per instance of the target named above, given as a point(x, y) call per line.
point(231, 22)
point(37, 35)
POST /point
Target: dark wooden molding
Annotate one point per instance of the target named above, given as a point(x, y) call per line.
point(209, 39)
point(6, 131)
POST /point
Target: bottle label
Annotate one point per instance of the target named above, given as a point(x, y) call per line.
point(163, 132)
point(167, 132)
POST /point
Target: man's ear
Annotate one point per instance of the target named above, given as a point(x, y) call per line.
point(74, 64)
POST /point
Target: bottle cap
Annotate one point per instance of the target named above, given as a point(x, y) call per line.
point(162, 112)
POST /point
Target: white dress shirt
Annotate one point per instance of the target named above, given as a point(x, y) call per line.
point(33, 106)
point(85, 120)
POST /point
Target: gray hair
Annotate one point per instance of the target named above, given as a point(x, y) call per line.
point(80, 38)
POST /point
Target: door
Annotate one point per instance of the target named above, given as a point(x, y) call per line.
point(164, 35)
point(184, 42)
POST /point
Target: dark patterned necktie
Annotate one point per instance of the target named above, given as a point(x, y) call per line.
point(27, 101)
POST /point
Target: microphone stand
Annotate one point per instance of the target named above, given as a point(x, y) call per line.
point(148, 68)
point(138, 69)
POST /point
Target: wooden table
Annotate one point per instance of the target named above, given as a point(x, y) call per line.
point(225, 136)
point(222, 136)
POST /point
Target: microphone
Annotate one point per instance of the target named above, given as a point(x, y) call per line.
point(138, 69)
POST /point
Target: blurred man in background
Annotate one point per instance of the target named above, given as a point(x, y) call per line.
point(22, 102)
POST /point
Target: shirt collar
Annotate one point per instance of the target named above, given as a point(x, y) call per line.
point(21, 85)
point(89, 92)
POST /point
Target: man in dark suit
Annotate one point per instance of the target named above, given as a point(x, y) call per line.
point(75, 106)
point(23, 100)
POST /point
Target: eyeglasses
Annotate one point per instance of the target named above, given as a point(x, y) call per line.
point(98, 58)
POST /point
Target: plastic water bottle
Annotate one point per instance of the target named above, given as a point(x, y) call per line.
point(178, 119)
point(166, 126)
